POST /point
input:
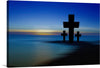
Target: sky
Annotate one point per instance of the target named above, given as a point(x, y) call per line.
point(32, 16)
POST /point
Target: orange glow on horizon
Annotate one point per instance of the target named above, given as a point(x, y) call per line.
point(36, 32)
point(45, 32)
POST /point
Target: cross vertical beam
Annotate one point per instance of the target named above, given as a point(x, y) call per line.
point(78, 35)
point(64, 34)
point(71, 18)
point(71, 29)
point(71, 33)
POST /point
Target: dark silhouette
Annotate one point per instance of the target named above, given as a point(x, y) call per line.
point(78, 35)
point(87, 53)
point(71, 25)
point(64, 34)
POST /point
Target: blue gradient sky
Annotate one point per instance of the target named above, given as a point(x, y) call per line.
point(30, 15)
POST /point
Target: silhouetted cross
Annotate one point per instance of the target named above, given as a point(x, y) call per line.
point(64, 34)
point(78, 35)
point(71, 25)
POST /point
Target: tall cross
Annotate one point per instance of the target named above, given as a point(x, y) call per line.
point(64, 34)
point(71, 25)
point(78, 35)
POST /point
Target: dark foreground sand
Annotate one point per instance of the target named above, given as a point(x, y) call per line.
point(88, 53)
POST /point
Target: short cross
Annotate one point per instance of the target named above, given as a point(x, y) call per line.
point(78, 35)
point(71, 25)
point(64, 34)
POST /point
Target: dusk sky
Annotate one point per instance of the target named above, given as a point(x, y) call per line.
point(49, 16)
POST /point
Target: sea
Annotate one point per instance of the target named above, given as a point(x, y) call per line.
point(31, 50)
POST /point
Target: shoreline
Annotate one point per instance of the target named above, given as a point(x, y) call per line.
point(87, 54)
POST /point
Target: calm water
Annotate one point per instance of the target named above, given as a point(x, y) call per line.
point(30, 50)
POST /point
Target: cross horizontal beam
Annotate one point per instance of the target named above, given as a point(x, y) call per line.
point(68, 25)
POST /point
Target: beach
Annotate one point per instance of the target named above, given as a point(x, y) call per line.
point(30, 50)
point(87, 54)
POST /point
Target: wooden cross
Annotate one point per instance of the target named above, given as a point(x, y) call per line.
point(64, 34)
point(78, 35)
point(71, 25)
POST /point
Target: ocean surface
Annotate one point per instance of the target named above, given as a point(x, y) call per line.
point(30, 50)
